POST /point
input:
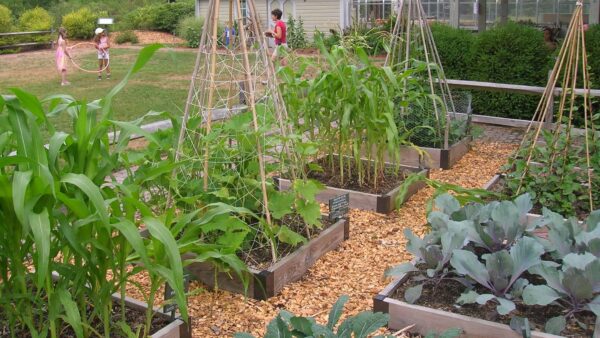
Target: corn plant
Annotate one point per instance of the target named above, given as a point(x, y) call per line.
point(68, 240)
point(349, 110)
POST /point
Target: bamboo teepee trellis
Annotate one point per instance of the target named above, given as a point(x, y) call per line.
point(228, 82)
point(562, 144)
point(412, 41)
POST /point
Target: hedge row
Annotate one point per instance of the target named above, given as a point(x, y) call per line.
point(510, 53)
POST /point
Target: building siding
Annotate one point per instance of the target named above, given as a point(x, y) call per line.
point(320, 15)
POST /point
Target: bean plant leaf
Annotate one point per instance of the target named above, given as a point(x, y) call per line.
point(413, 294)
point(280, 204)
point(336, 311)
point(308, 189)
point(539, 295)
point(555, 325)
point(286, 235)
point(310, 212)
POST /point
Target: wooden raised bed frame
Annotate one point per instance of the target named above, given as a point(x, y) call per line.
point(426, 319)
point(176, 329)
point(268, 283)
point(435, 158)
point(383, 203)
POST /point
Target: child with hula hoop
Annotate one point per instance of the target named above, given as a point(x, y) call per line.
point(61, 54)
point(102, 45)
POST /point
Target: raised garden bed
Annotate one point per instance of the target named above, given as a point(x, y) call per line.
point(435, 158)
point(264, 284)
point(428, 320)
point(175, 328)
point(380, 202)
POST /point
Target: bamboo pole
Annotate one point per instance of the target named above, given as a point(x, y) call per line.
point(252, 105)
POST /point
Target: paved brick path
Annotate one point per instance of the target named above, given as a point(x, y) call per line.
point(498, 134)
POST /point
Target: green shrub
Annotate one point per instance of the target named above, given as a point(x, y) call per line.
point(163, 17)
point(190, 29)
point(167, 15)
point(592, 43)
point(80, 24)
point(6, 20)
point(36, 19)
point(454, 46)
point(126, 36)
point(510, 53)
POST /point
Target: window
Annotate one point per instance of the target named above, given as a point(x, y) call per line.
point(371, 11)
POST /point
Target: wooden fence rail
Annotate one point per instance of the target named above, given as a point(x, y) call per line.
point(49, 43)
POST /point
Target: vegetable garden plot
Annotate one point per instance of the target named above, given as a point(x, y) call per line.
point(555, 164)
point(489, 262)
point(441, 118)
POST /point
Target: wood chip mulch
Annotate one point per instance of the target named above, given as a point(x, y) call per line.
point(356, 268)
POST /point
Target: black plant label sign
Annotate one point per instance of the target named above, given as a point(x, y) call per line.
point(339, 207)
point(171, 307)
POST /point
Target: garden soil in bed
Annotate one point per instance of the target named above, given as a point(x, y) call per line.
point(444, 296)
point(259, 258)
point(134, 318)
point(356, 268)
point(392, 177)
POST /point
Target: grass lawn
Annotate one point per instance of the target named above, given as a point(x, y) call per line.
point(161, 86)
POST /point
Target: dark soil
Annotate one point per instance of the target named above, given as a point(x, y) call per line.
point(135, 319)
point(500, 187)
point(259, 256)
point(391, 179)
point(444, 296)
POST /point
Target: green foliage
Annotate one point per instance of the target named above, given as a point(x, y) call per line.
point(374, 41)
point(558, 184)
point(509, 53)
point(333, 39)
point(59, 216)
point(592, 44)
point(361, 100)
point(80, 24)
point(190, 29)
point(495, 247)
point(296, 36)
point(161, 17)
point(6, 19)
point(127, 36)
point(455, 49)
point(36, 19)
point(358, 326)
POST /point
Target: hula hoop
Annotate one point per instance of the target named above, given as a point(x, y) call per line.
point(83, 69)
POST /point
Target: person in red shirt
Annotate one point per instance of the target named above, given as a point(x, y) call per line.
point(279, 33)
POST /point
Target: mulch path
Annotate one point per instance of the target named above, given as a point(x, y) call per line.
point(356, 268)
